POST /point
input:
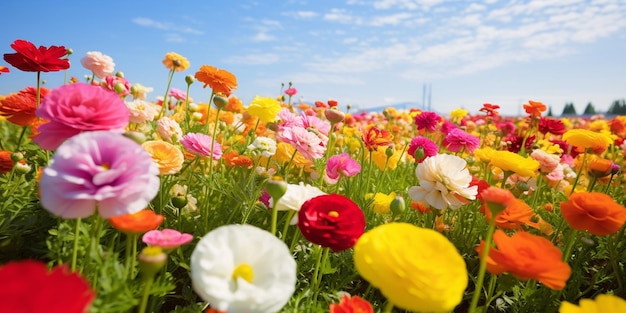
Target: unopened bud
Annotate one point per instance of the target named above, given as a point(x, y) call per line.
point(17, 156)
point(151, 260)
point(176, 62)
point(334, 115)
point(189, 79)
point(119, 74)
point(120, 88)
point(276, 188)
point(69, 51)
point(22, 167)
point(179, 202)
point(389, 151)
point(419, 153)
point(398, 205)
point(220, 101)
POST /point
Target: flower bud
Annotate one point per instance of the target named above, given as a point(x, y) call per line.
point(176, 62)
point(220, 101)
point(389, 151)
point(120, 88)
point(179, 202)
point(22, 168)
point(189, 79)
point(276, 188)
point(397, 205)
point(69, 51)
point(151, 260)
point(119, 74)
point(17, 156)
point(334, 115)
point(136, 136)
point(419, 153)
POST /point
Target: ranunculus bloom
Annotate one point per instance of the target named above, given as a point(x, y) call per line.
point(354, 304)
point(291, 91)
point(243, 269)
point(100, 64)
point(137, 223)
point(220, 81)
point(263, 146)
point(4, 69)
point(6, 163)
point(29, 58)
point(28, 286)
point(421, 147)
point(168, 129)
point(550, 125)
point(265, 108)
point(308, 143)
point(427, 121)
point(534, 108)
point(75, 108)
point(19, 108)
point(515, 214)
point(166, 238)
point(430, 276)
point(584, 138)
point(374, 138)
point(457, 139)
point(119, 85)
point(527, 256)
point(509, 161)
point(295, 196)
point(381, 202)
point(331, 221)
point(173, 59)
point(444, 181)
point(167, 156)
point(200, 144)
point(142, 111)
point(98, 170)
point(604, 303)
point(595, 212)
point(341, 165)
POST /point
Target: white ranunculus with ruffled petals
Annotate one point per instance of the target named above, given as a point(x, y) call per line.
point(243, 269)
point(295, 196)
point(444, 182)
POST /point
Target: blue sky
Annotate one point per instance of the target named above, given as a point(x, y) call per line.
point(363, 53)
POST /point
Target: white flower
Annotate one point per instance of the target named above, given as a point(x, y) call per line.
point(169, 130)
point(295, 197)
point(141, 111)
point(443, 178)
point(139, 91)
point(264, 146)
point(243, 269)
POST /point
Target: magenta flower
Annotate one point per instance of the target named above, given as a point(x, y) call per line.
point(291, 91)
point(427, 121)
point(200, 144)
point(75, 108)
point(457, 139)
point(177, 94)
point(101, 171)
point(424, 146)
point(119, 85)
point(341, 164)
point(166, 239)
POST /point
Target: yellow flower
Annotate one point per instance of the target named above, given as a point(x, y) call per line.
point(599, 126)
point(584, 138)
point(173, 59)
point(379, 156)
point(509, 161)
point(484, 154)
point(284, 151)
point(458, 114)
point(265, 108)
point(167, 157)
point(549, 147)
point(431, 276)
point(602, 303)
point(381, 203)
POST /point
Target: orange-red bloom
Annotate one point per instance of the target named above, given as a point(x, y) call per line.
point(29, 58)
point(595, 212)
point(374, 138)
point(4, 69)
point(6, 163)
point(220, 81)
point(490, 109)
point(137, 223)
point(527, 256)
point(19, 108)
point(233, 158)
point(354, 304)
point(534, 108)
point(516, 214)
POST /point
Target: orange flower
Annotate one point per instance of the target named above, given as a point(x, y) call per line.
point(594, 212)
point(234, 105)
point(233, 158)
point(220, 81)
point(6, 163)
point(137, 223)
point(600, 167)
point(420, 207)
point(516, 214)
point(374, 137)
point(354, 304)
point(534, 108)
point(19, 108)
point(167, 156)
point(527, 256)
point(174, 60)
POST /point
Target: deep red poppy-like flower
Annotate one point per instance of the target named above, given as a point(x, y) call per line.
point(553, 126)
point(29, 58)
point(28, 286)
point(331, 221)
point(4, 69)
point(354, 304)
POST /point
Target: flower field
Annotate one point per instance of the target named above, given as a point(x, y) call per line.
point(115, 199)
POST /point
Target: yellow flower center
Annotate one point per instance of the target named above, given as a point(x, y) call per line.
point(333, 214)
point(244, 271)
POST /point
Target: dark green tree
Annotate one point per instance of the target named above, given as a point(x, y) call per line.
point(569, 109)
point(589, 109)
point(549, 112)
point(618, 107)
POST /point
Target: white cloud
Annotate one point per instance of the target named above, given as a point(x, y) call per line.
point(174, 38)
point(393, 19)
point(341, 16)
point(406, 4)
point(262, 37)
point(306, 14)
point(254, 59)
point(147, 22)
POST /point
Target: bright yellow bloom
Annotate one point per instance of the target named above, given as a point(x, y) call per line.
point(167, 156)
point(484, 154)
point(458, 114)
point(175, 60)
point(381, 203)
point(379, 156)
point(599, 126)
point(601, 304)
point(584, 138)
point(509, 161)
point(431, 276)
point(284, 151)
point(265, 108)
point(549, 147)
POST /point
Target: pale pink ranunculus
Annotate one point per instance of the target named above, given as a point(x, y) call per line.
point(291, 91)
point(200, 144)
point(98, 170)
point(309, 144)
point(547, 162)
point(142, 111)
point(168, 129)
point(341, 165)
point(100, 64)
point(166, 239)
point(177, 94)
point(79, 107)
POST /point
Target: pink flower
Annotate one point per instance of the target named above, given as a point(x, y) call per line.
point(177, 94)
point(291, 91)
point(166, 239)
point(341, 164)
point(424, 146)
point(457, 139)
point(75, 108)
point(427, 121)
point(98, 170)
point(100, 64)
point(200, 144)
point(548, 162)
point(308, 143)
point(119, 85)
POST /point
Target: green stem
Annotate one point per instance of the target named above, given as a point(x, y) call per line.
point(274, 219)
point(75, 247)
point(146, 294)
point(286, 226)
point(483, 266)
point(613, 256)
point(388, 307)
point(167, 90)
point(567, 254)
point(133, 254)
point(318, 262)
point(580, 170)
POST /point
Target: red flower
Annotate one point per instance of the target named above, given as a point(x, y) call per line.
point(553, 126)
point(4, 69)
point(331, 221)
point(28, 286)
point(374, 137)
point(353, 304)
point(30, 59)
point(490, 109)
point(19, 108)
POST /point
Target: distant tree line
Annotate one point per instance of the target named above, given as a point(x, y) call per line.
point(618, 107)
